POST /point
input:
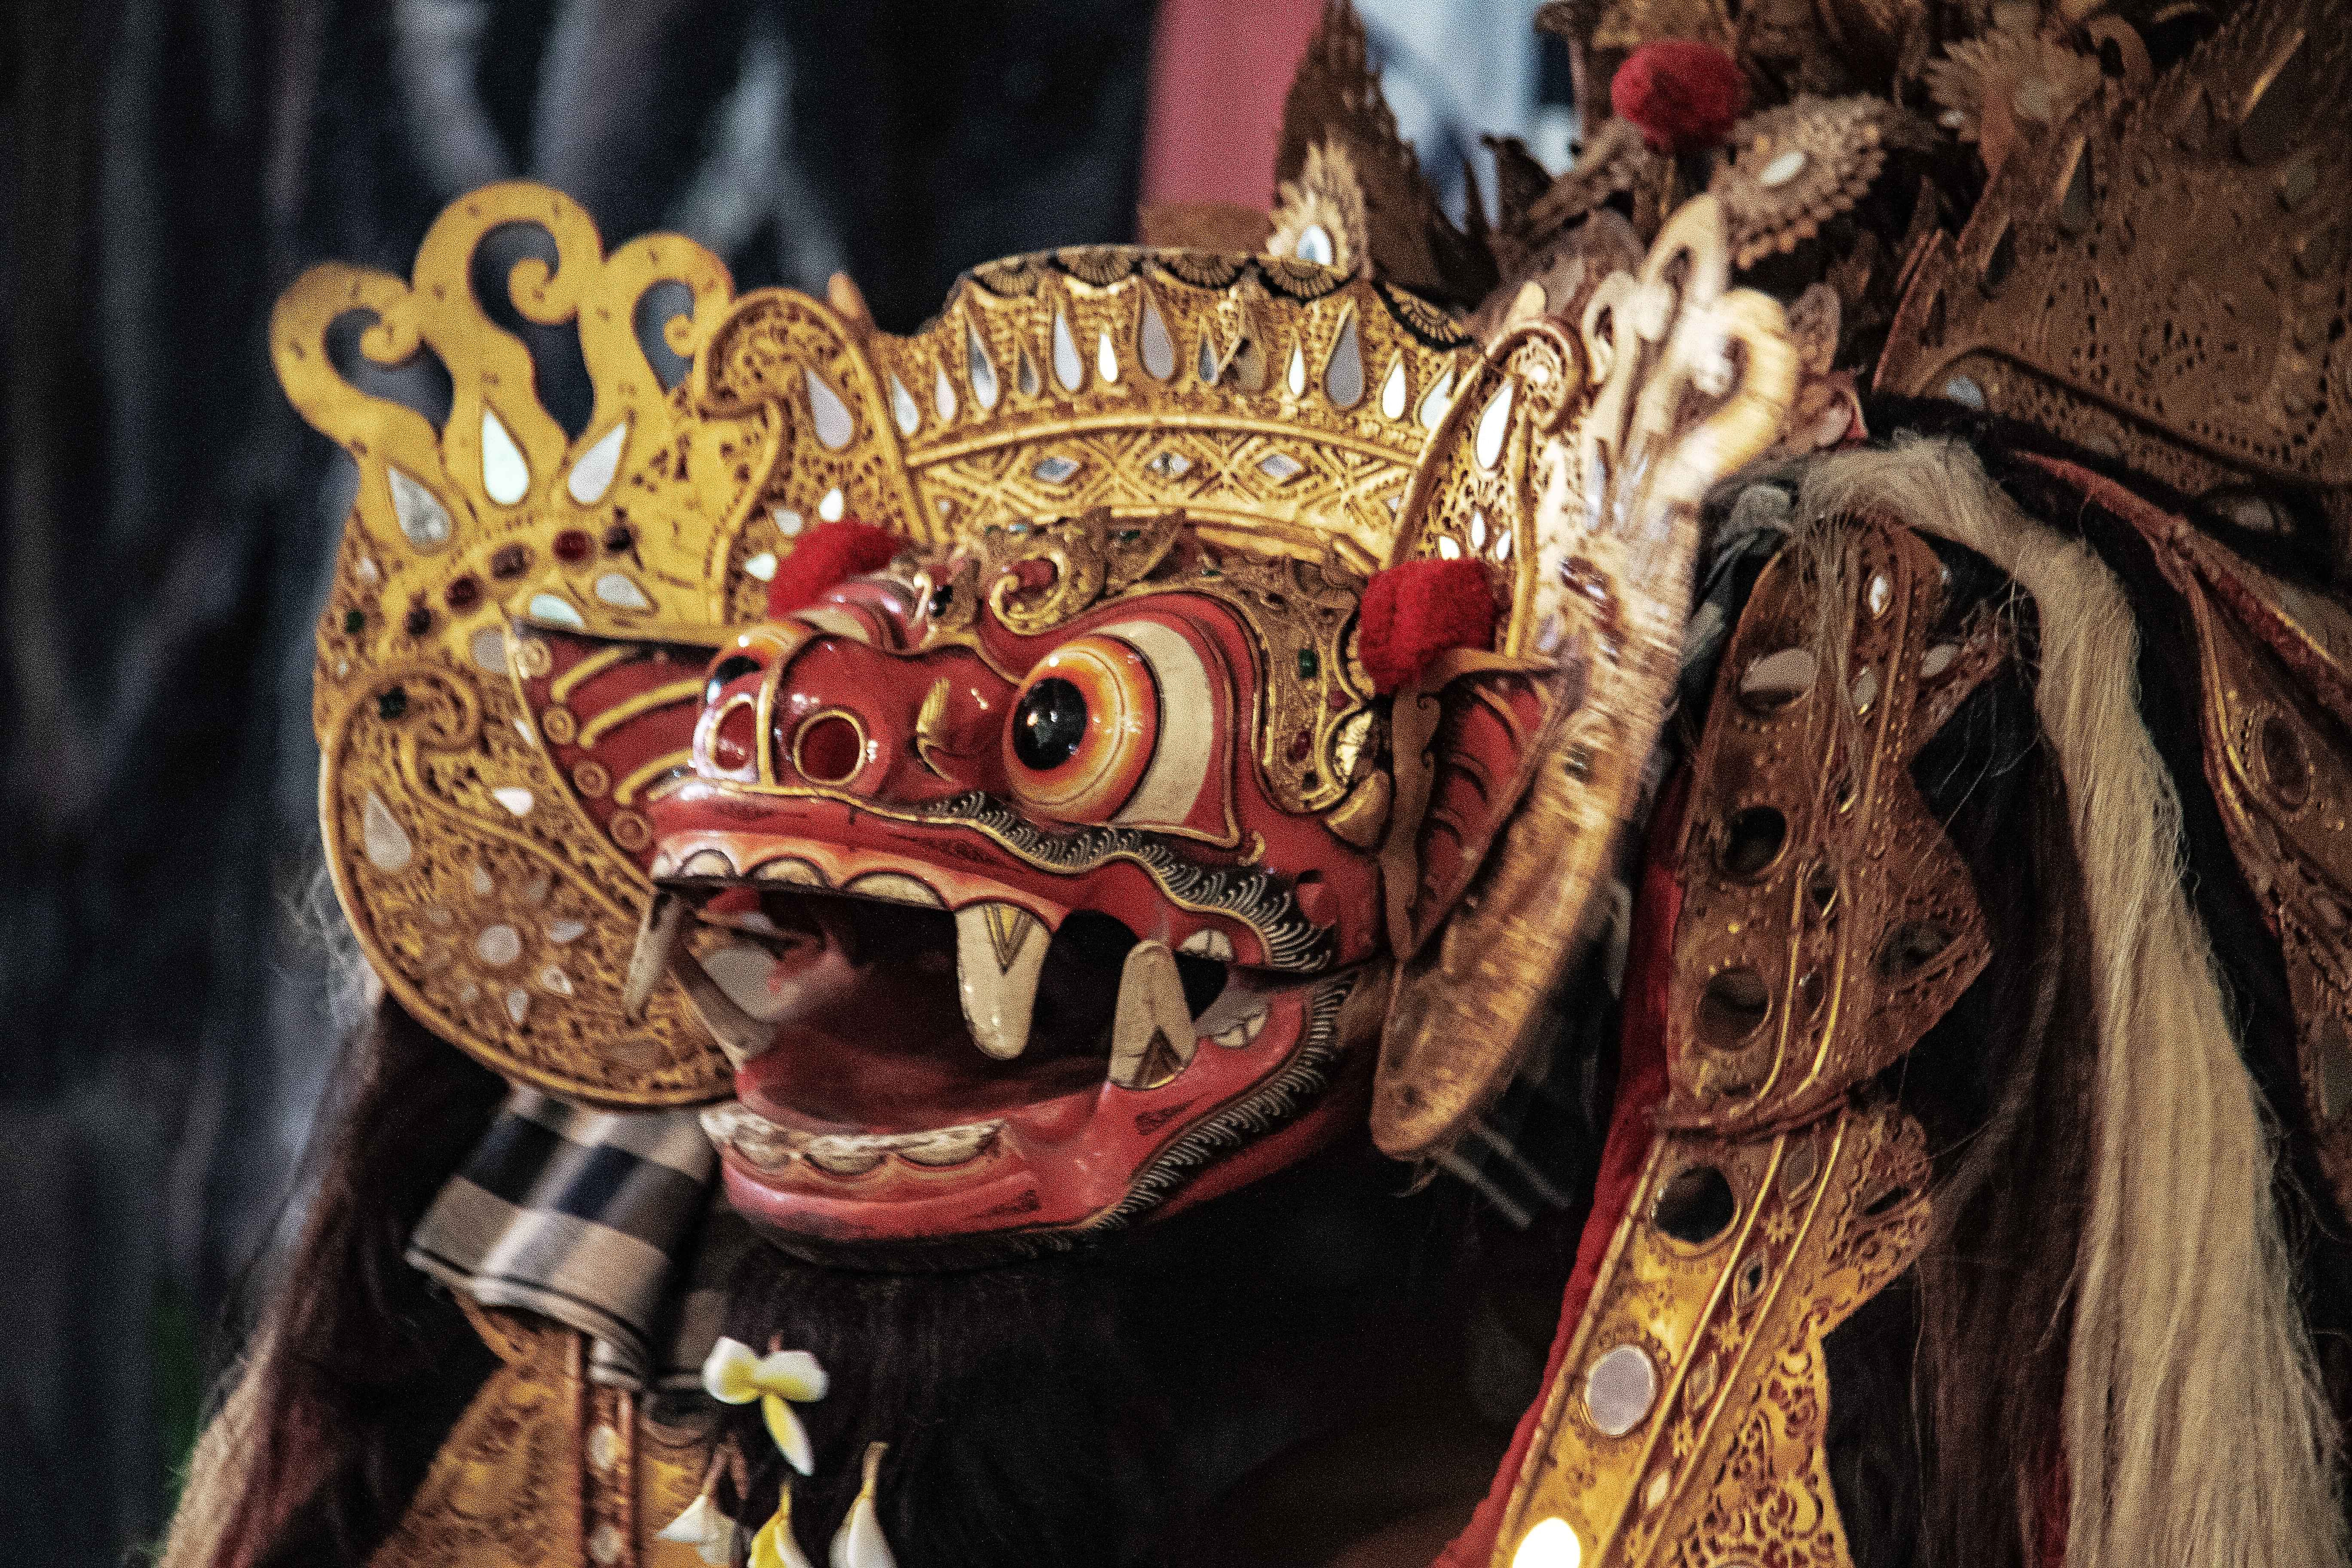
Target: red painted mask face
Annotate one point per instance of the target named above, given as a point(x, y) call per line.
point(1021, 894)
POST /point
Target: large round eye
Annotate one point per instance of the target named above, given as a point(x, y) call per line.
point(1084, 728)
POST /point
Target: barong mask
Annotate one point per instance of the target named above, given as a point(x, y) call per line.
point(1060, 763)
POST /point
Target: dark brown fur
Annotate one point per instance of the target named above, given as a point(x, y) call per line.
point(362, 1367)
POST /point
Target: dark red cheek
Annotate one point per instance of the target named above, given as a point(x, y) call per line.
point(733, 743)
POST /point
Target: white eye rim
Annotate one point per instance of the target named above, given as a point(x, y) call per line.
point(1172, 784)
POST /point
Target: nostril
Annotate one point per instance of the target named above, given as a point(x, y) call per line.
point(733, 743)
point(829, 747)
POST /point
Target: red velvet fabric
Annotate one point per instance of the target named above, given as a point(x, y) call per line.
point(1683, 96)
point(1412, 613)
point(831, 554)
point(1641, 1085)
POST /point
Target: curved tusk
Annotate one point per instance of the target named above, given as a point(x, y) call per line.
point(660, 937)
point(738, 1034)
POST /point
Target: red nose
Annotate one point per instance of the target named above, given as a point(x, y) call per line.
point(889, 726)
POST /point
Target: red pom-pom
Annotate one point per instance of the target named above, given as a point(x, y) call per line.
point(1683, 96)
point(1412, 613)
point(831, 554)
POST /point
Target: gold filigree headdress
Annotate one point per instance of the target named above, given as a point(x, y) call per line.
point(487, 839)
point(2166, 278)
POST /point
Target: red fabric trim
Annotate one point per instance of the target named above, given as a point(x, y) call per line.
point(1412, 613)
point(831, 555)
point(1220, 70)
point(1641, 1085)
point(1684, 95)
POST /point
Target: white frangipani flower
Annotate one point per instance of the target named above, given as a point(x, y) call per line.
point(736, 1374)
point(710, 1532)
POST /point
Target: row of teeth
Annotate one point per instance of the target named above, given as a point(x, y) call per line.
point(1000, 954)
point(771, 1148)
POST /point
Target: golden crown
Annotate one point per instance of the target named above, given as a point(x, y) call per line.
point(1288, 410)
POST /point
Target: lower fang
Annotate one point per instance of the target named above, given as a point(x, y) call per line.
point(747, 973)
point(1151, 1029)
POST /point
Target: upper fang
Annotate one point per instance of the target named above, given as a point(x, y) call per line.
point(1000, 950)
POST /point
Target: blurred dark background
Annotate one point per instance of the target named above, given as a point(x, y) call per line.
point(171, 165)
point(168, 1011)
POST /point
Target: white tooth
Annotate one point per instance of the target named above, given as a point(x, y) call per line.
point(747, 973)
point(894, 888)
point(844, 1156)
point(1243, 1033)
point(949, 1146)
point(1213, 945)
point(1151, 1029)
point(799, 873)
point(752, 1135)
point(763, 1142)
point(1000, 948)
point(708, 863)
point(766, 1146)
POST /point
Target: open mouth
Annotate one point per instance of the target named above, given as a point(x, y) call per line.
point(945, 1022)
point(864, 1027)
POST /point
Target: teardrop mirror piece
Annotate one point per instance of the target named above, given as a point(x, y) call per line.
point(1493, 425)
point(1393, 397)
point(1157, 349)
point(903, 407)
point(1105, 357)
point(1343, 373)
point(979, 367)
point(1439, 399)
point(591, 476)
point(424, 520)
point(1068, 369)
point(506, 478)
point(943, 394)
point(828, 412)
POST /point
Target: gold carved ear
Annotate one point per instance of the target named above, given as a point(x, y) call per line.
point(798, 361)
point(511, 652)
point(1576, 467)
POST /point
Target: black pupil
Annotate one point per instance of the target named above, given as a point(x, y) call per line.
point(1048, 724)
point(941, 597)
point(730, 670)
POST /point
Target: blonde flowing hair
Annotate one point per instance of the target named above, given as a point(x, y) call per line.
point(2195, 1431)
